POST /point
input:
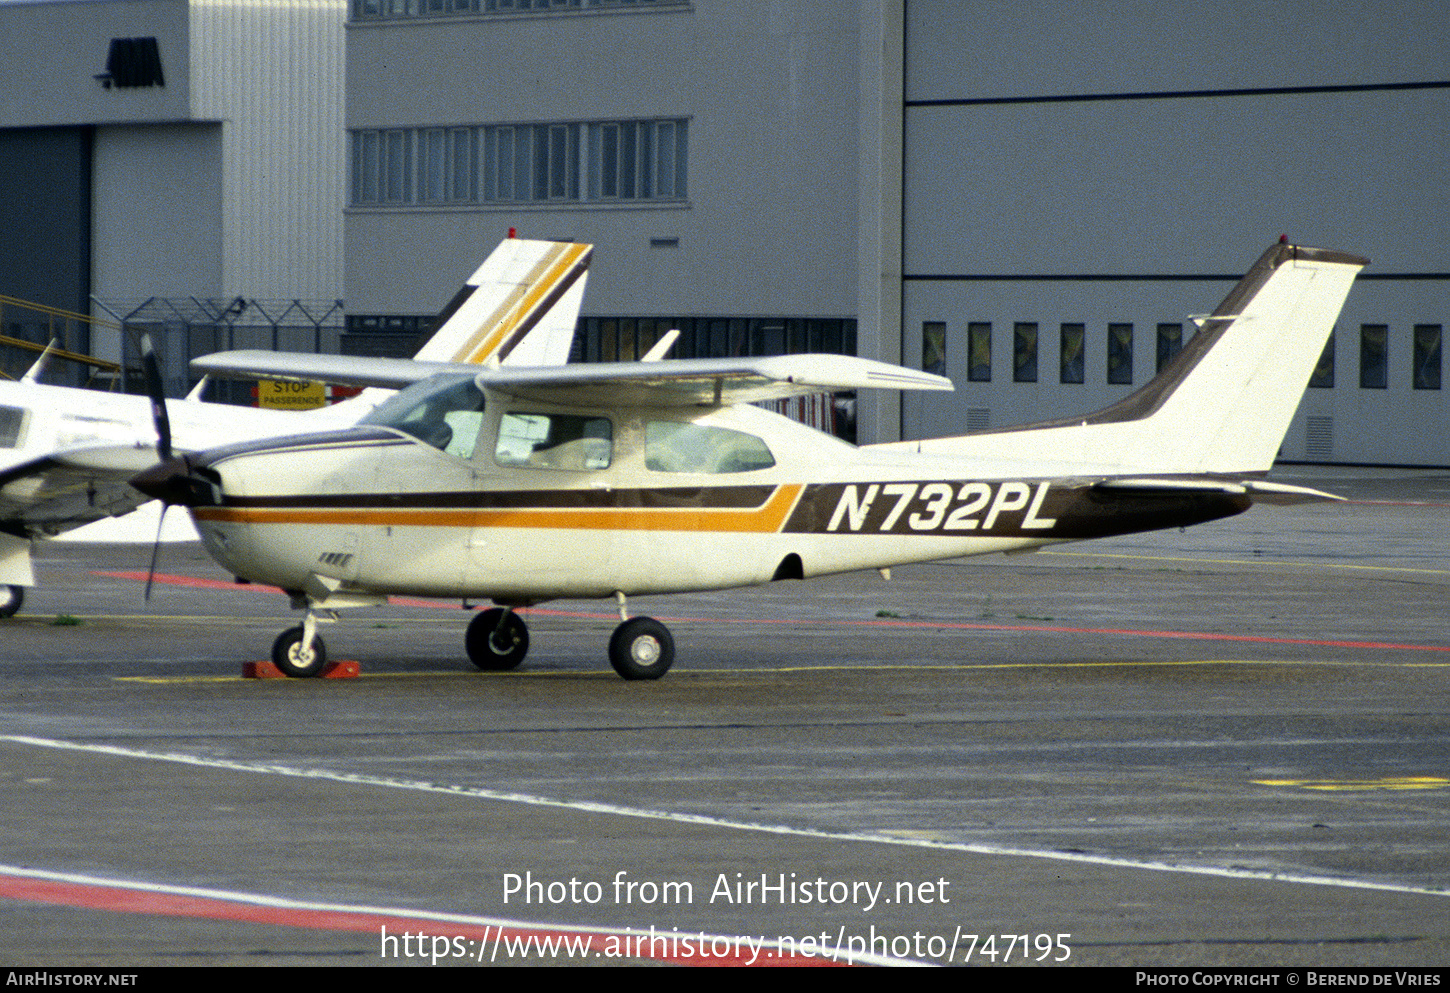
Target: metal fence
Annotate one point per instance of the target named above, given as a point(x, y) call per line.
point(182, 329)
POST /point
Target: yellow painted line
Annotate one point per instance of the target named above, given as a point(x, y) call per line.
point(947, 667)
point(1346, 785)
point(461, 671)
point(796, 669)
point(1321, 565)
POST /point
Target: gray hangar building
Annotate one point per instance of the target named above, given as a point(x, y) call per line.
point(1034, 199)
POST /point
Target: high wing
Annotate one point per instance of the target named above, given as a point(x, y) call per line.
point(68, 488)
point(703, 382)
point(339, 370)
point(661, 383)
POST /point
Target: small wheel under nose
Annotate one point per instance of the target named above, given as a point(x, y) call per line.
point(641, 648)
point(496, 643)
point(11, 597)
point(288, 656)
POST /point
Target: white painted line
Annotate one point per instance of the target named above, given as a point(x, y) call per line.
point(617, 810)
point(472, 935)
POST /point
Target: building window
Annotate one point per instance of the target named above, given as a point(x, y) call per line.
point(623, 339)
point(1170, 343)
point(934, 347)
point(1070, 357)
point(1374, 343)
point(1024, 352)
point(1323, 376)
point(979, 352)
point(1427, 356)
point(625, 161)
point(1120, 354)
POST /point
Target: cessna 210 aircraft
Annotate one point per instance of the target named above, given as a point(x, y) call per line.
point(523, 485)
point(66, 454)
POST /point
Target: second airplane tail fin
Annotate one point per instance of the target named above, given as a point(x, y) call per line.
point(519, 308)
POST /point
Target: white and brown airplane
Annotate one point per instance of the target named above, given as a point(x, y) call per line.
point(523, 485)
point(66, 454)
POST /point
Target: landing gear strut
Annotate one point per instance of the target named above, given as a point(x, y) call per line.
point(11, 597)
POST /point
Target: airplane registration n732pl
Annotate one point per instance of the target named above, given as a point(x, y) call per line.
point(523, 485)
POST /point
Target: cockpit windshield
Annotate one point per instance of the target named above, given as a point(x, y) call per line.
point(445, 411)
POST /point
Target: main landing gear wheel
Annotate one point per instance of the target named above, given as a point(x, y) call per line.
point(288, 656)
point(641, 648)
point(497, 640)
point(11, 597)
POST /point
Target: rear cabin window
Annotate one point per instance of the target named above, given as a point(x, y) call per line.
point(566, 442)
point(670, 446)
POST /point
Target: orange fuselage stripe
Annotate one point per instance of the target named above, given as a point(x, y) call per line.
point(765, 519)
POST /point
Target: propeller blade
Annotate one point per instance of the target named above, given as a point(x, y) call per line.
point(156, 390)
point(155, 550)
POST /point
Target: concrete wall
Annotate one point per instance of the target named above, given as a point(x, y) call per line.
point(1151, 141)
point(157, 216)
point(770, 92)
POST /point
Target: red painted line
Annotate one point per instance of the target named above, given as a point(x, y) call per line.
point(515, 942)
point(167, 579)
point(1189, 635)
point(879, 623)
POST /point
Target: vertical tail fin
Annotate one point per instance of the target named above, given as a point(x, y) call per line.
point(1225, 402)
point(520, 307)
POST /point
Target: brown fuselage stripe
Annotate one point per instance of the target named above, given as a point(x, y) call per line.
point(660, 498)
point(766, 518)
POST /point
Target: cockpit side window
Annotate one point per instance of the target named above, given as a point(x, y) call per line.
point(671, 446)
point(568, 442)
point(12, 422)
point(443, 411)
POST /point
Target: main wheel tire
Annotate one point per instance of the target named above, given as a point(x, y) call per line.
point(493, 648)
point(287, 654)
point(642, 648)
point(11, 599)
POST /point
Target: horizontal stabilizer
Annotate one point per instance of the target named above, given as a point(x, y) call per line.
point(1260, 491)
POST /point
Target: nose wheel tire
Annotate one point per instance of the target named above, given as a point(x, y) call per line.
point(495, 642)
point(641, 648)
point(288, 656)
point(11, 597)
